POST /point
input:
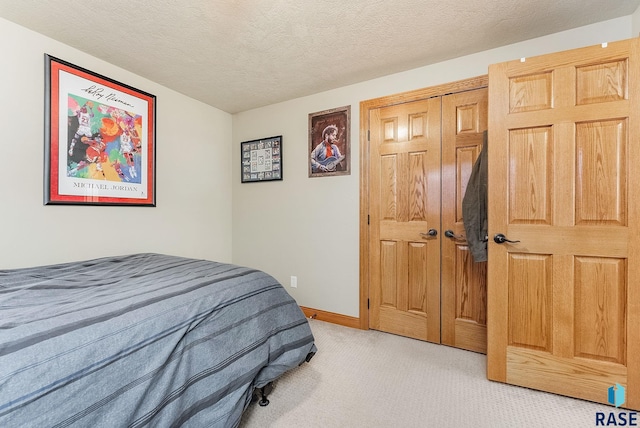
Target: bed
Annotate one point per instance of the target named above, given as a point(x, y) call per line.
point(142, 340)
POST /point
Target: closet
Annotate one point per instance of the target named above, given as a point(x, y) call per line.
point(562, 309)
point(419, 279)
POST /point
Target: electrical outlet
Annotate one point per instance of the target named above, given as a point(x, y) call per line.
point(294, 282)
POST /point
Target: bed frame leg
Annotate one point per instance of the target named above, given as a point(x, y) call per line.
point(264, 391)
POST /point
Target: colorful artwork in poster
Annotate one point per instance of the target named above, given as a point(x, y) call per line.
point(100, 139)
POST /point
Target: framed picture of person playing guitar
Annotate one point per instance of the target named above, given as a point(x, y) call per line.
point(329, 142)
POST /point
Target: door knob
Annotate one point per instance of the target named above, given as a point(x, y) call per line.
point(500, 238)
point(430, 234)
point(449, 234)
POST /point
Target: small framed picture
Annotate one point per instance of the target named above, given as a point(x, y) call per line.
point(261, 160)
point(99, 139)
point(329, 142)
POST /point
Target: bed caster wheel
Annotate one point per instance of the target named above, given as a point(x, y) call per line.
point(264, 391)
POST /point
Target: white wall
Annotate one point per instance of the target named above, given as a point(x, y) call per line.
point(300, 226)
point(635, 26)
point(193, 213)
point(309, 227)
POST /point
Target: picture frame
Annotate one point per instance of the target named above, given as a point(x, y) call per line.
point(330, 132)
point(99, 139)
point(261, 160)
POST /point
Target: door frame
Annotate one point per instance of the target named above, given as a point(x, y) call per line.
point(365, 109)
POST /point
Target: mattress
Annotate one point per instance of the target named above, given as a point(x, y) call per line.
point(142, 340)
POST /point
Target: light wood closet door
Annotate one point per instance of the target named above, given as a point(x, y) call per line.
point(464, 282)
point(405, 219)
point(564, 300)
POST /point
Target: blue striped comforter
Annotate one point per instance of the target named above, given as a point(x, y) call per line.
point(142, 340)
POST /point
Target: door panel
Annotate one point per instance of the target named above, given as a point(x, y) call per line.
point(464, 291)
point(404, 205)
point(564, 303)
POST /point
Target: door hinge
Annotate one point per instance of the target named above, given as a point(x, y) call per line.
point(367, 303)
point(368, 135)
point(368, 218)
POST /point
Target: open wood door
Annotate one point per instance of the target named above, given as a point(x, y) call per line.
point(564, 156)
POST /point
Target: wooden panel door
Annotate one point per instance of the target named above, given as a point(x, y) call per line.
point(564, 300)
point(405, 219)
point(464, 285)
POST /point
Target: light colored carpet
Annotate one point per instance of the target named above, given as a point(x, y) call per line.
point(371, 379)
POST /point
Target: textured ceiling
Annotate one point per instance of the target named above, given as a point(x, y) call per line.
point(241, 54)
